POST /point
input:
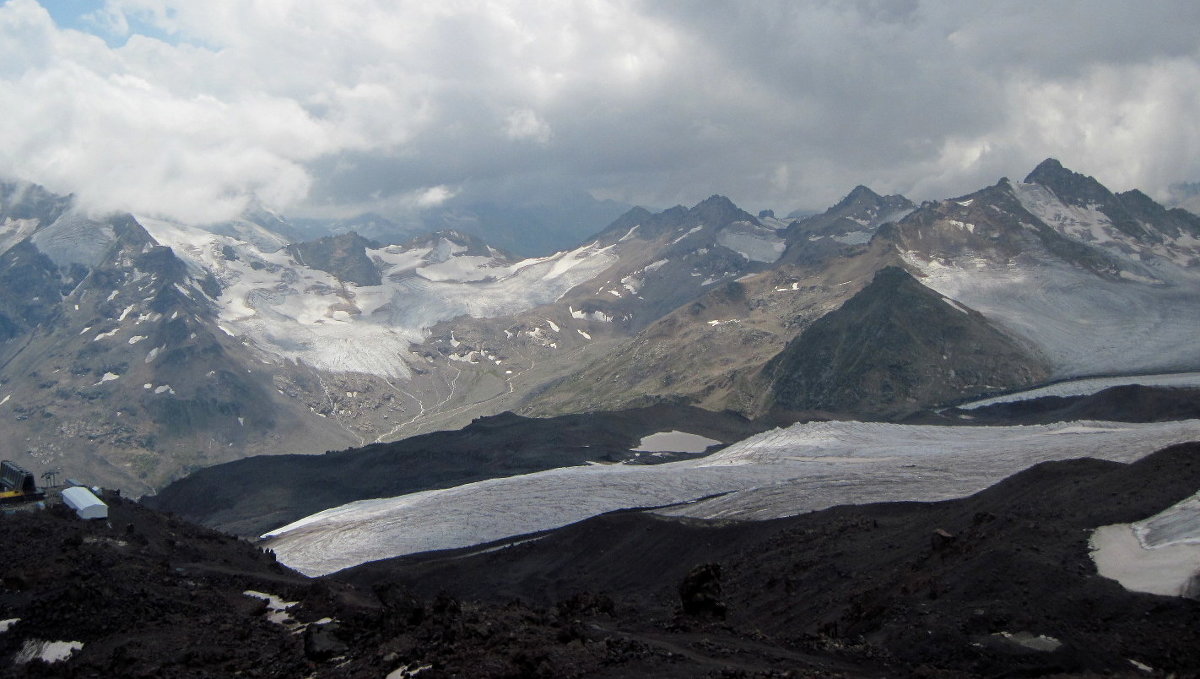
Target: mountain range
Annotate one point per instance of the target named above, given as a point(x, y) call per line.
point(889, 439)
point(138, 349)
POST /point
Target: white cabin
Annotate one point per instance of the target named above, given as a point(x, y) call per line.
point(85, 504)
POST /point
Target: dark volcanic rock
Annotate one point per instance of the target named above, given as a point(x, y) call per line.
point(847, 592)
point(895, 346)
point(344, 256)
point(700, 591)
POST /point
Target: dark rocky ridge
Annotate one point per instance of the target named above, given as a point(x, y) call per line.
point(1126, 403)
point(343, 256)
point(911, 587)
point(896, 346)
point(906, 589)
point(814, 240)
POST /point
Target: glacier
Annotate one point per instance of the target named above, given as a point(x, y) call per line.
point(291, 312)
point(782, 472)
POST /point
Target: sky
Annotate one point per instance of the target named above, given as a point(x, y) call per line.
point(195, 110)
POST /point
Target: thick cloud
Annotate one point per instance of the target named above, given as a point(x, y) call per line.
point(189, 109)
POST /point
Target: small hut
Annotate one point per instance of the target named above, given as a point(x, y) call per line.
point(85, 504)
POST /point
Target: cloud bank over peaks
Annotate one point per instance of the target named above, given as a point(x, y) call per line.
point(192, 110)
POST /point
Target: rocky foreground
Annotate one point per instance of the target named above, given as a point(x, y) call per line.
point(1000, 583)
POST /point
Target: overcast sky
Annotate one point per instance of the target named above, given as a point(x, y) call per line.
point(188, 108)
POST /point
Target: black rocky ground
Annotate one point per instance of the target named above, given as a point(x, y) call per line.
point(910, 589)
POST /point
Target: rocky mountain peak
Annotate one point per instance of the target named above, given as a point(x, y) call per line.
point(475, 246)
point(718, 211)
point(24, 200)
point(1070, 187)
point(857, 194)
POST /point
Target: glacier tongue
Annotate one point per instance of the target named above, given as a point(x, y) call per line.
point(782, 472)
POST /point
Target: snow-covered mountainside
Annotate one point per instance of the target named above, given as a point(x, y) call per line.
point(1100, 283)
point(778, 473)
point(328, 343)
point(112, 367)
point(291, 307)
point(344, 340)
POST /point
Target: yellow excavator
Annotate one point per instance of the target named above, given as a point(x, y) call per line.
point(17, 485)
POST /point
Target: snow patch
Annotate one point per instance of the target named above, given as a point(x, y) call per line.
point(690, 231)
point(408, 671)
point(46, 651)
point(583, 334)
point(108, 377)
point(136, 338)
point(755, 247)
point(1120, 556)
point(276, 607)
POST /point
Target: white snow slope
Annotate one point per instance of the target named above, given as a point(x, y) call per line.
point(293, 312)
point(1085, 324)
point(778, 473)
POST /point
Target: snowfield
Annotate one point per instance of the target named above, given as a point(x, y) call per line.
point(803, 468)
point(1083, 323)
point(297, 313)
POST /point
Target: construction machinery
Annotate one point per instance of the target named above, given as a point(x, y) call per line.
point(17, 484)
